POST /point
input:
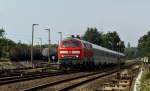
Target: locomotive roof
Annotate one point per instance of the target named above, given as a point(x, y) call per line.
point(101, 48)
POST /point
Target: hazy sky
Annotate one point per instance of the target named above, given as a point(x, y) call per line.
point(130, 18)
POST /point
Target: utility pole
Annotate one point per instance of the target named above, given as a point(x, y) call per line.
point(32, 43)
point(119, 50)
point(40, 44)
point(60, 37)
point(49, 40)
point(60, 33)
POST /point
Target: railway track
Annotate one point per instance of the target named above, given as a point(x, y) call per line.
point(13, 79)
point(70, 83)
point(66, 84)
point(32, 83)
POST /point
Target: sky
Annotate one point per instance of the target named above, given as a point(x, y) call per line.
point(130, 18)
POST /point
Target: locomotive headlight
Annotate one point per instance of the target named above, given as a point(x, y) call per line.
point(77, 56)
point(75, 52)
point(63, 52)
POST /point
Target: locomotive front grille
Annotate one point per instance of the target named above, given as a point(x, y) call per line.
point(70, 56)
point(70, 52)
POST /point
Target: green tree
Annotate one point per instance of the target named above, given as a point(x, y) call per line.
point(5, 44)
point(131, 52)
point(1, 36)
point(2, 32)
point(128, 45)
point(144, 45)
point(110, 41)
point(92, 35)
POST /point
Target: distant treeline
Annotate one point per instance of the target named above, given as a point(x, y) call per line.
point(142, 50)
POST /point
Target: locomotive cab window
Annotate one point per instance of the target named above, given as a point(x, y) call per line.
point(65, 43)
point(70, 43)
point(75, 43)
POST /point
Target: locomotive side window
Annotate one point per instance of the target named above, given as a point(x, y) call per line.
point(85, 45)
point(90, 46)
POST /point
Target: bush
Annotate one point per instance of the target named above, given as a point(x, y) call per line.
point(144, 81)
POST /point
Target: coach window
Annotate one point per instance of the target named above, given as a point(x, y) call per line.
point(106, 54)
point(85, 45)
point(102, 53)
point(113, 55)
point(90, 46)
point(109, 54)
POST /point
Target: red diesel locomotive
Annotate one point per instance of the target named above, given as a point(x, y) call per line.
point(75, 52)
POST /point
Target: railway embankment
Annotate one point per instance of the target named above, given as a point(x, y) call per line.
point(142, 81)
point(5, 64)
point(145, 78)
point(121, 81)
point(145, 81)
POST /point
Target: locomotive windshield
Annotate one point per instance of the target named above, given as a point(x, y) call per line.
point(65, 43)
point(70, 43)
point(74, 43)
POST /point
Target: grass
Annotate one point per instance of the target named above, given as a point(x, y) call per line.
point(145, 85)
point(6, 65)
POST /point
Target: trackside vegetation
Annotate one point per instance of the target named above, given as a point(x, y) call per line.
point(145, 81)
point(144, 45)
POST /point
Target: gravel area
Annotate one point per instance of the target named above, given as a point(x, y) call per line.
point(97, 84)
point(69, 83)
point(94, 85)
